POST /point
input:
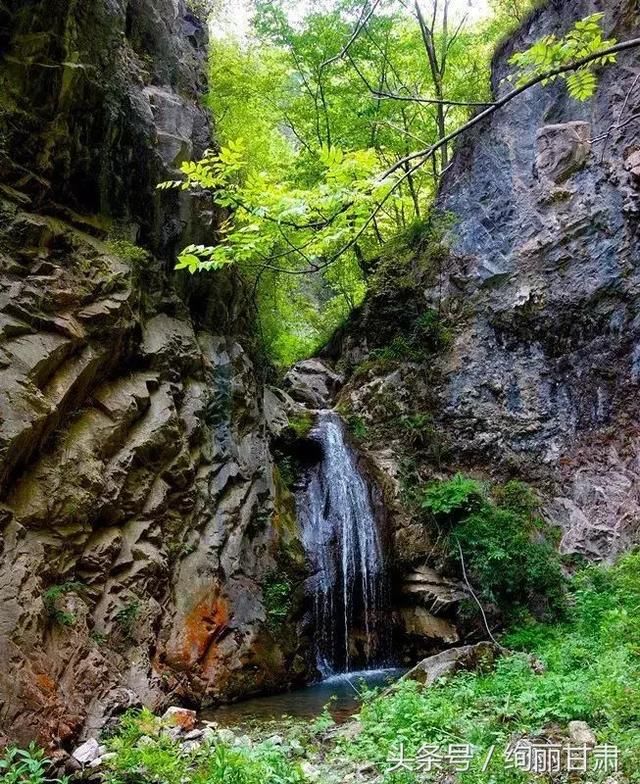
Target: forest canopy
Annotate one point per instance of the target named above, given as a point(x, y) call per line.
point(319, 110)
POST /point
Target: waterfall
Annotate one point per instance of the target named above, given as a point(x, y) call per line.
point(342, 542)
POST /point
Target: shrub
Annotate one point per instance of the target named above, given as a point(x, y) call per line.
point(452, 498)
point(509, 561)
point(507, 550)
point(431, 332)
point(126, 617)
point(357, 426)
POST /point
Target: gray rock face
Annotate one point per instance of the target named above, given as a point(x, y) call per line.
point(543, 374)
point(562, 149)
point(542, 289)
point(137, 485)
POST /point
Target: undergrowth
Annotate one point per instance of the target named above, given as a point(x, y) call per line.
point(508, 551)
point(586, 668)
point(145, 753)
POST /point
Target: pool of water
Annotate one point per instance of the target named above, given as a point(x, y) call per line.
point(340, 692)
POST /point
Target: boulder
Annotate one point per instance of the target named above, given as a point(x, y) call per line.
point(469, 657)
point(182, 718)
point(87, 752)
point(313, 383)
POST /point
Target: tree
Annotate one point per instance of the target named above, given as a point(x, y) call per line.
point(334, 108)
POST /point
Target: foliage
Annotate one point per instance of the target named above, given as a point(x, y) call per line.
point(357, 426)
point(126, 617)
point(304, 189)
point(588, 670)
point(302, 423)
point(26, 766)
point(52, 596)
point(452, 498)
point(129, 251)
point(144, 753)
point(550, 52)
point(510, 561)
point(277, 597)
point(508, 552)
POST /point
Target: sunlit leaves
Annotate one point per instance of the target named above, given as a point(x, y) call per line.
point(550, 53)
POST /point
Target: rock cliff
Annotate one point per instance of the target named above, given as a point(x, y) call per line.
point(141, 516)
point(535, 372)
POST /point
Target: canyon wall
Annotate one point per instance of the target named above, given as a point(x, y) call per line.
point(534, 272)
point(141, 516)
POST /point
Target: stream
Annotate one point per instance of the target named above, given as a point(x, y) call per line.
point(338, 692)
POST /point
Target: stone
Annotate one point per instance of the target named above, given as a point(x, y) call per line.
point(562, 149)
point(632, 164)
point(435, 592)
point(226, 735)
point(87, 752)
point(313, 383)
point(468, 657)
point(183, 718)
point(581, 733)
point(193, 735)
point(421, 623)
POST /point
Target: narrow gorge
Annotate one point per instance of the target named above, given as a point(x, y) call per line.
point(188, 521)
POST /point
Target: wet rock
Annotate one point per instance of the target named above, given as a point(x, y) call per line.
point(469, 657)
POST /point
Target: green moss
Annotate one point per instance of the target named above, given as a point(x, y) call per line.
point(302, 423)
point(277, 593)
point(128, 251)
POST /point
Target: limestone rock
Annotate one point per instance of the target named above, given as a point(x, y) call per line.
point(433, 590)
point(581, 733)
point(136, 482)
point(419, 622)
point(468, 657)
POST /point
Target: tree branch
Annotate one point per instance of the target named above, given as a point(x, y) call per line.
point(425, 154)
point(362, 21)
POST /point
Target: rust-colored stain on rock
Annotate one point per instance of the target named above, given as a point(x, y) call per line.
point(203, 625)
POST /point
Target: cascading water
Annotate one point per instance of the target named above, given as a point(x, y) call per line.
point(342, 542)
